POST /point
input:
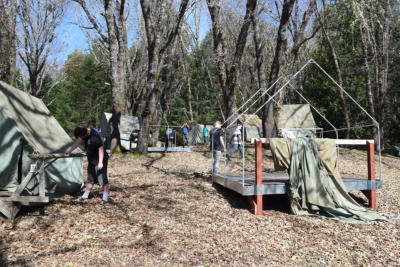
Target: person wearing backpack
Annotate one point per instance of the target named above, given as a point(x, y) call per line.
point(217, 145)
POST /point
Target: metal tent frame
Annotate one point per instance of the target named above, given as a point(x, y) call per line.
point(243, 181)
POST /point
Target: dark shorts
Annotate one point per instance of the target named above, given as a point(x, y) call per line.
point(95, 177)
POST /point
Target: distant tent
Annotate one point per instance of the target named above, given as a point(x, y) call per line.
point(298, 119)
point(196, 134)
point(26, 126)
point(252, 127)
point(129, 129)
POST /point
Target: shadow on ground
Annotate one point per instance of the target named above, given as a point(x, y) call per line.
point(270, 202)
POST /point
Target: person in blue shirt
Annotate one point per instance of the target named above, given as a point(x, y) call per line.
point(185, 132)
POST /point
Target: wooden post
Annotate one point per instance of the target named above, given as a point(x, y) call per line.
point(9, 208)
point(259, 198)
point(371, 194)
point(42, 183)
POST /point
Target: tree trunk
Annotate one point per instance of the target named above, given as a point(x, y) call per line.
point(375, 29)
point(156, 52)
point(281, 44)
point(228, 76)
point(115, 76)
point(260, 54)
point(340, 81)
point(8, 13)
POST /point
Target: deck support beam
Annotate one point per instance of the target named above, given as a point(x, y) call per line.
point(258, 209)
point(371, 194)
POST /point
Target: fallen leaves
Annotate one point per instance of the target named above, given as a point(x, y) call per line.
point(164, 211)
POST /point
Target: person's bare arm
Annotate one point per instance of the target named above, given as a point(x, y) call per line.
point(77, 143)
point(101, 156)
point(240, 138)
point(221, 139)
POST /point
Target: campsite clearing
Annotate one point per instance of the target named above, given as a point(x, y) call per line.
point(164, 211)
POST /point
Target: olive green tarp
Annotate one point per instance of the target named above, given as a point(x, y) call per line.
point(298, 119)
point(252, 127)
point(315, 186)
point(26, 126)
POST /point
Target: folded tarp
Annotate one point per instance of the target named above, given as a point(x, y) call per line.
point(315, 187)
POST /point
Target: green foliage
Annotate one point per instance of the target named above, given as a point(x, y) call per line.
point(204, 96)
point(322, 92)
point(83, 96)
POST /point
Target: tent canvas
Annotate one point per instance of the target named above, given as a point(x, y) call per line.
point(252, 127)
point(297, 118)
point(26, 126)
point(128, 128)
point(196, 134)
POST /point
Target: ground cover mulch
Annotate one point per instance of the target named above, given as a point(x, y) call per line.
point(164, 211)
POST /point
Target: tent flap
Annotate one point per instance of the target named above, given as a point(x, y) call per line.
point(315, 186)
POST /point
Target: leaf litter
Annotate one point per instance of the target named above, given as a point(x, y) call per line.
point(165, 211)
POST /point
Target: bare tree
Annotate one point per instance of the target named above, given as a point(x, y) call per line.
point(39, 21)
point(228, 71)
point(8, 15)
point(297, 29)
point(108, 20)
point(374, 18)
point(168, 77)
point(337, 68)
point(281, 46)
point(159, 39)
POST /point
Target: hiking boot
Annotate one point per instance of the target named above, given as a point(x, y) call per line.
point(80, 199)
point(103, 202)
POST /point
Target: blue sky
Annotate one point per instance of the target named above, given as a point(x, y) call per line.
point(73, 38)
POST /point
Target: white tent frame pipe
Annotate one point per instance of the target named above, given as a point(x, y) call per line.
point(311, 61)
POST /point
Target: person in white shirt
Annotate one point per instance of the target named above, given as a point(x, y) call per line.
point(236, 140)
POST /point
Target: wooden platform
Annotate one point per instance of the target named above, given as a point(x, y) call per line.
point(255, 185)
point(276, 183)
point(170, 149)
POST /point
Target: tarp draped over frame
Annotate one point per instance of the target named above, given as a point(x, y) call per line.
point(298, 119)
point(26, 126)
point(316, 188)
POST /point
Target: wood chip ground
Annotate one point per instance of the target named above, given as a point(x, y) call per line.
point(164, 211)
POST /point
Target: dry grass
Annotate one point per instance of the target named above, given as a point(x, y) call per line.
point(165, 212)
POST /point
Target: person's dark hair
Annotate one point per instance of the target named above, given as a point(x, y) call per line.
point(80, 132)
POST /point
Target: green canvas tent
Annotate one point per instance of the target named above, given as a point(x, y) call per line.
point(298, 119)
point(252, 127)
point(128, 128)
point(26, 126)
point(196, 134)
